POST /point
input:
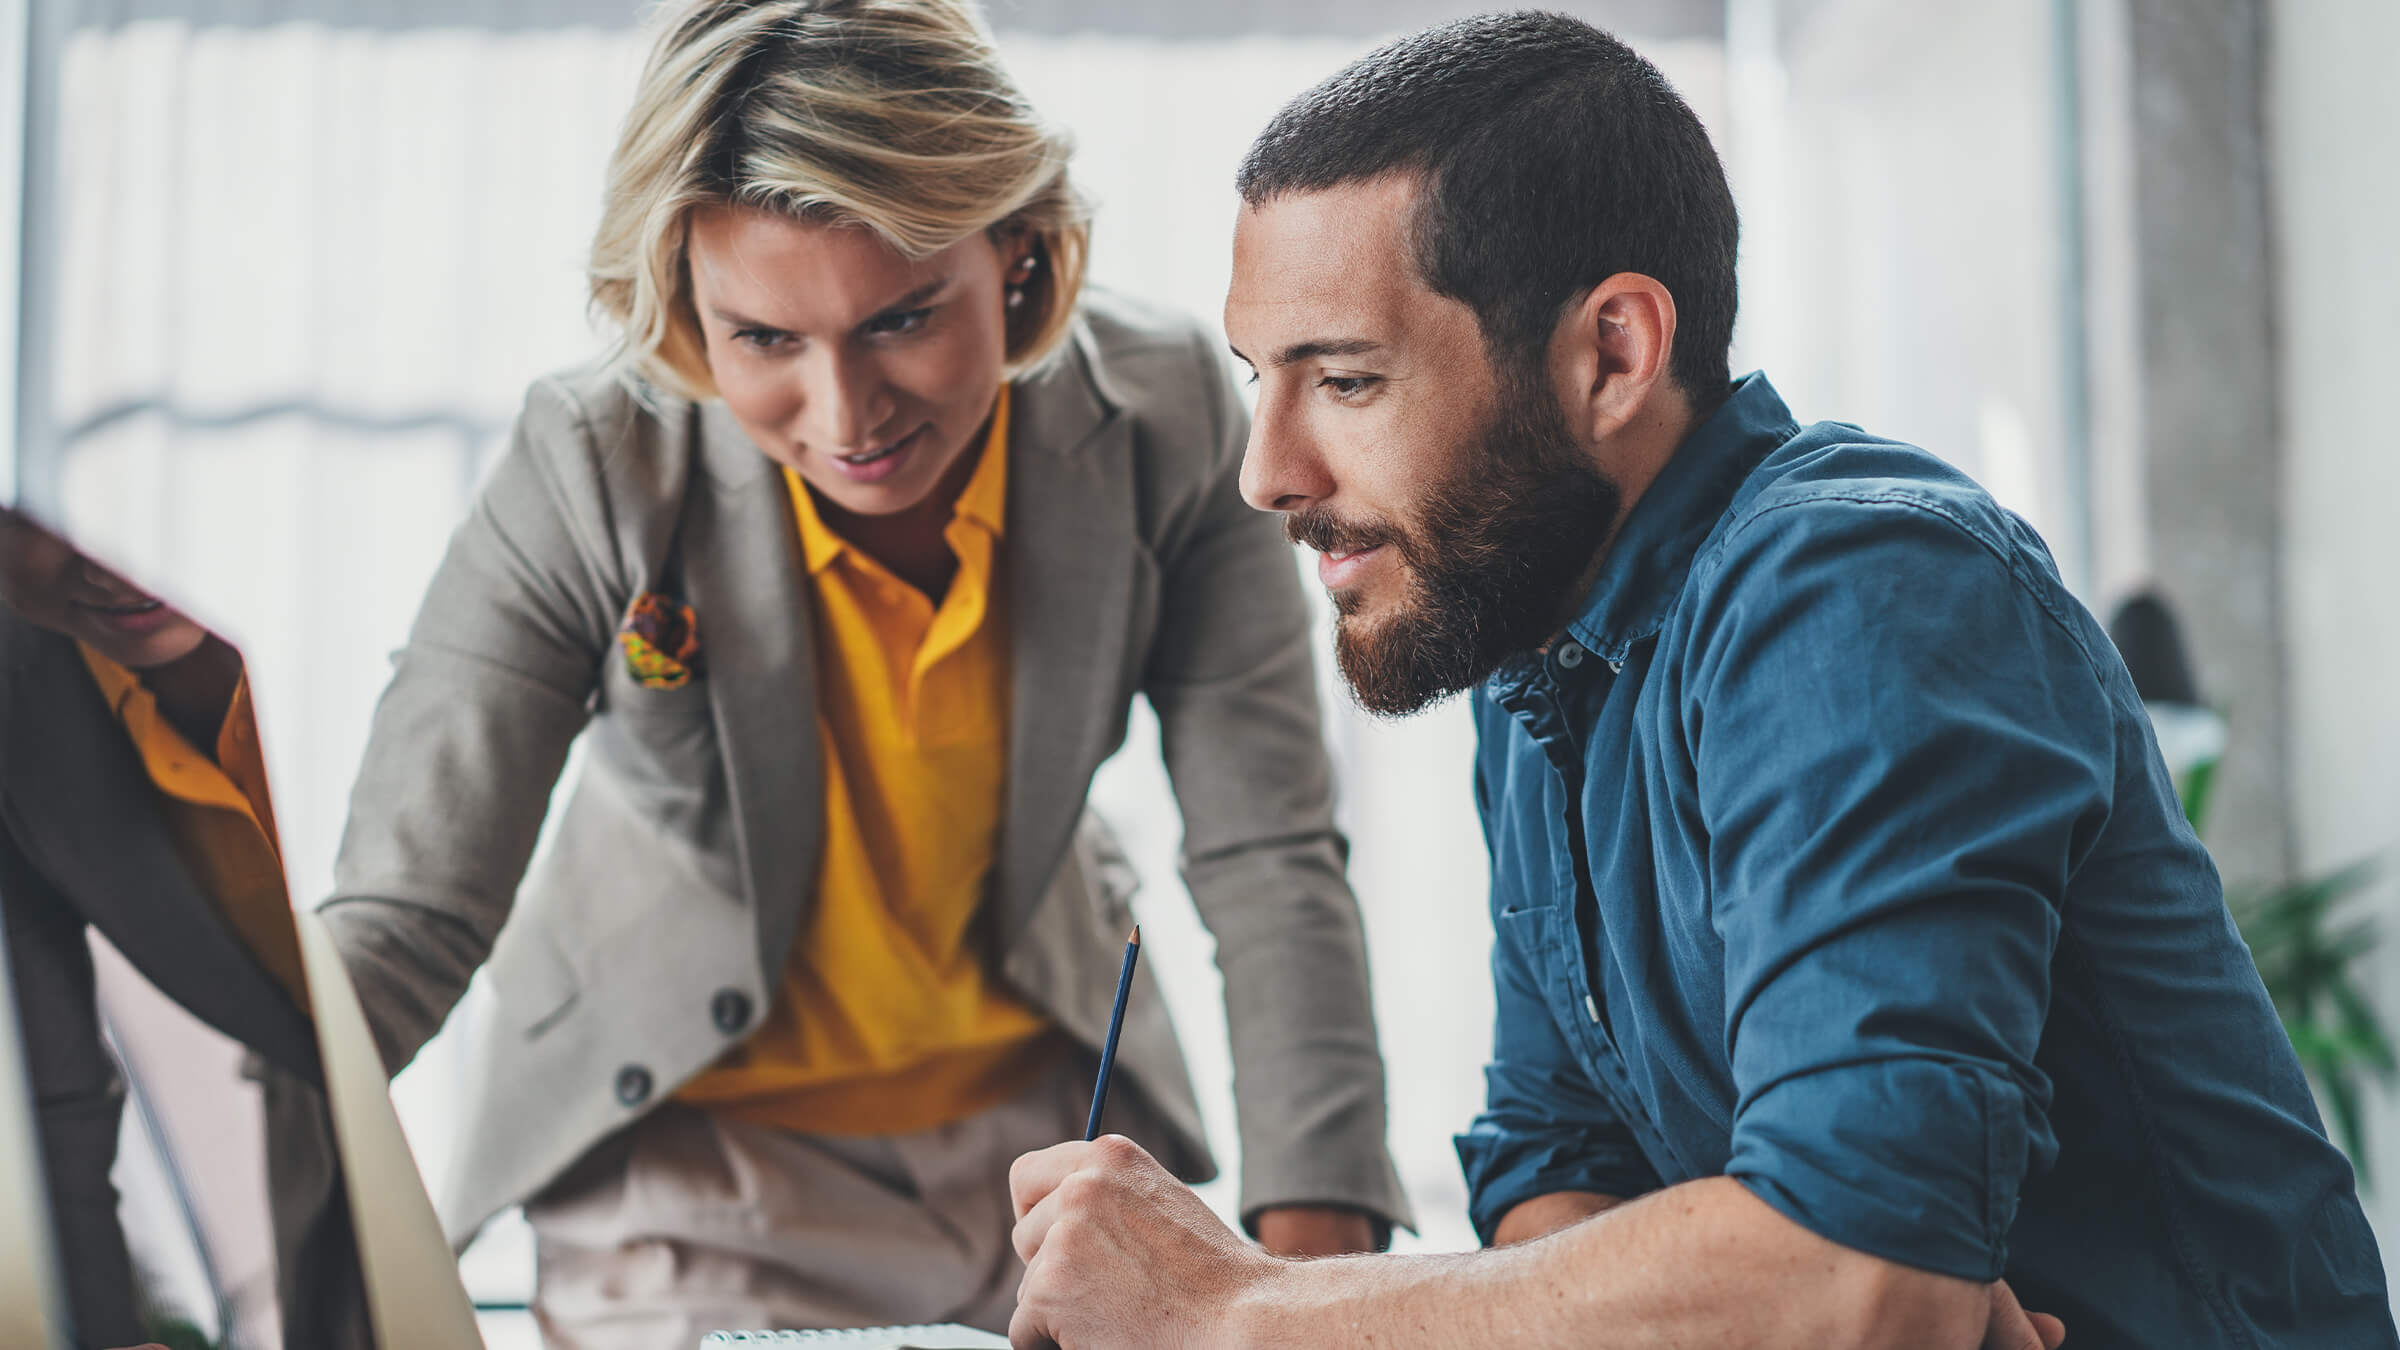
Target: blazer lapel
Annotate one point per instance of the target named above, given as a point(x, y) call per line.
point(83, 808)
point(1072, 554)
point(744, 580)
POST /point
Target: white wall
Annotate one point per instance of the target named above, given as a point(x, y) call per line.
point(2332, 108)
point(1901, 237)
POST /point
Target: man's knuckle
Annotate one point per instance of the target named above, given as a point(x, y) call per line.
point(1080, 1189)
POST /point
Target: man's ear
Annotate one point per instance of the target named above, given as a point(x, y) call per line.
point(1610, 354)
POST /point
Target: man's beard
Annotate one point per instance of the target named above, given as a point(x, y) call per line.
point(1488, 561)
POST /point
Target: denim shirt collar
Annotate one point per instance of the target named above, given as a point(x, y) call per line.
point(1652, 554)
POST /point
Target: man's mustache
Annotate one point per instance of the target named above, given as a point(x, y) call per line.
point(1319, 528)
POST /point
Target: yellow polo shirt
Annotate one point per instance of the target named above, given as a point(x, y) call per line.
point(889, 1019)
point(219, 814)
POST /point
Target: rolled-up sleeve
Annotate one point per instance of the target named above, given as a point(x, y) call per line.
point(1903, 753)
point(1544, 1128)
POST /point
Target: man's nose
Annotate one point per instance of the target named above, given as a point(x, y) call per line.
point(1281, 468)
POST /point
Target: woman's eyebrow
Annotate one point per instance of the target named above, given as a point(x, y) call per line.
point(917, 296)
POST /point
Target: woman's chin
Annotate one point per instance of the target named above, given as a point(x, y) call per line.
point(168, 643)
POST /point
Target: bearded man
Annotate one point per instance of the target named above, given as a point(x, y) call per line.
point(1857, 974)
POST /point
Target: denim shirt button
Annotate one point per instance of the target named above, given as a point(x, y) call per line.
point(1570, 655)
point(1616, 667)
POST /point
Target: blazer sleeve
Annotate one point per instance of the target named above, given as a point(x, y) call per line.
point(1234, 685)
point(79, 1099)
point(471, 735)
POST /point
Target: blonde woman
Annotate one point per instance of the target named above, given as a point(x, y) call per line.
point(846, 573)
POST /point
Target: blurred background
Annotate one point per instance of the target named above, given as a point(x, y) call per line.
point(283, 269)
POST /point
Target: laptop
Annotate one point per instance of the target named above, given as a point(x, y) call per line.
point(56, 602)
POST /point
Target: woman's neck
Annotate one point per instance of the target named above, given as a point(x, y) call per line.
point(195, 691)
point(914, 544)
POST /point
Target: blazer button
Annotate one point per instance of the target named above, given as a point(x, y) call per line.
point(730, 1010)
point(633, 1085)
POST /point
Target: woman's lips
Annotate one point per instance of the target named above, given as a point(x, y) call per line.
point(1336, 570)
point(130, 617)
point(874, 466)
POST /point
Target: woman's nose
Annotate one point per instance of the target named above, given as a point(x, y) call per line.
point(844, 403)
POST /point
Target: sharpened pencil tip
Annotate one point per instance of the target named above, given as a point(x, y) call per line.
point(1136, 939)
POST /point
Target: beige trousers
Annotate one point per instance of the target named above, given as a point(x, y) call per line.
point(685, 1224)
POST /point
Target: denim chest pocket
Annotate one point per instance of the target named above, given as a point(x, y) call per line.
point(1528, 933)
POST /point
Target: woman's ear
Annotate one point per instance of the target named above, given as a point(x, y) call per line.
point(1023, 285)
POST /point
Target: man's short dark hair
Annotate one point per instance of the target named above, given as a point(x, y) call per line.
point(1553, 157)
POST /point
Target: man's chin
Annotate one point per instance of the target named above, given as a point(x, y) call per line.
point(1395, 668)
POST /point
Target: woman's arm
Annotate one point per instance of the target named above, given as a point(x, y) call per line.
point(1233, 681)
point(471, 734)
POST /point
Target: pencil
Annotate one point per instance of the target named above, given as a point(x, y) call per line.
point(1116, 1023)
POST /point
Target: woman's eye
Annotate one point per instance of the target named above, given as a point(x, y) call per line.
point(764, 339)
point(902, 321)
point(1346, 386)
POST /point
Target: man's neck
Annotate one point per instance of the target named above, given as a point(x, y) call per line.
point(1632, 460)
point(1635, 456)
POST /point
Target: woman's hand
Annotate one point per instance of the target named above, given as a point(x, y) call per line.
point(1315, 1230)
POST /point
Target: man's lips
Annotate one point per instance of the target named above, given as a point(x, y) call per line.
point(1337, 568)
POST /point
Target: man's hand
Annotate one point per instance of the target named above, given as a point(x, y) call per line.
point(1119, 1253)
point(2013, 1328)
point(1315, 1230)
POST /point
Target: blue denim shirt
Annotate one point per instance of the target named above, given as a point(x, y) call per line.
point(1831, 851)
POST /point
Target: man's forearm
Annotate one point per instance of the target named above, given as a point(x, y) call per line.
point(1546, 1214)
point(1705, 1263)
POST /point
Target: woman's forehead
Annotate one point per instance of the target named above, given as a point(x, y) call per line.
point(765, 267)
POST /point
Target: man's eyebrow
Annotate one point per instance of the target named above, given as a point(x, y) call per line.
point(1317, 347)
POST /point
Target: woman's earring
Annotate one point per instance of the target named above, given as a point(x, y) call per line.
point(1021, 277)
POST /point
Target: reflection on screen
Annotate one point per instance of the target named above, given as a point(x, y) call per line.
point(176, 1098)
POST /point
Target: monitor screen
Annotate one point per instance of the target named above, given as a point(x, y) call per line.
point(188, 1076)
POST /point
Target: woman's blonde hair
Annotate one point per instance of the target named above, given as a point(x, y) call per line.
point(893, 115)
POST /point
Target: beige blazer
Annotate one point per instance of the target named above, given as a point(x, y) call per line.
point(651, 931)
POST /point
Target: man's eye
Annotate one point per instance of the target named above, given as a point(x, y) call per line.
point(764, 339)
point(1346, 386)
point(900, 321)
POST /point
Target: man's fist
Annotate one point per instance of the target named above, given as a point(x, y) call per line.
point(1119, 1253)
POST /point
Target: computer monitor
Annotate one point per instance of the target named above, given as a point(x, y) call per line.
point(111, 697)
